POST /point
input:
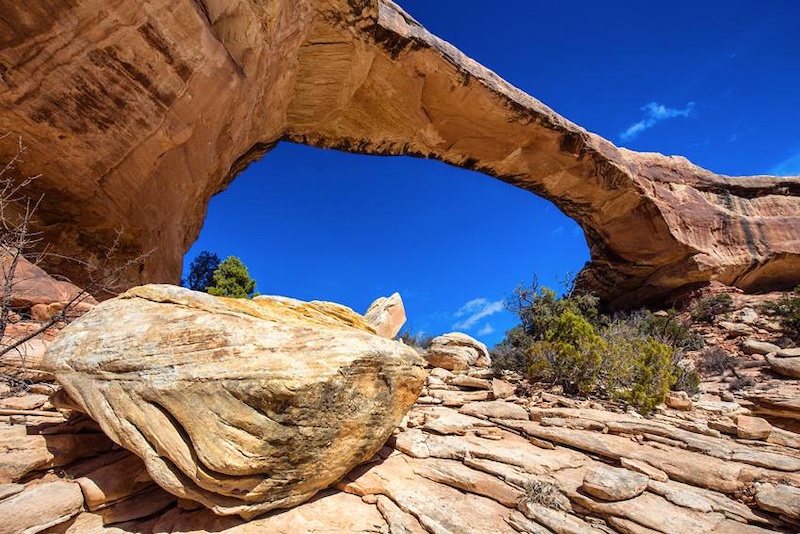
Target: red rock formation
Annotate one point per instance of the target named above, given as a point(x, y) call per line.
point(137, 112)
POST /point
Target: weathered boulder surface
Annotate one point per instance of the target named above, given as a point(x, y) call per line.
point(136, 112)
point(457, 352)
point(243, 406)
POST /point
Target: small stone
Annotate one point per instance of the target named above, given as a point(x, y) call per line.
point(613, 483)
point(726, 396)
point(752, 427)
point(751, 346)
point(679, 400)
point(370, 499)
point(784, 500)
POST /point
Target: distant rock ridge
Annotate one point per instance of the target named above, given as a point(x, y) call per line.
point(136, 113)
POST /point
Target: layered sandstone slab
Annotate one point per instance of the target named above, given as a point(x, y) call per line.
point(136, 112)
point(243, 406)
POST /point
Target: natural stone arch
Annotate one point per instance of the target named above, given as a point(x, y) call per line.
point(138, 112)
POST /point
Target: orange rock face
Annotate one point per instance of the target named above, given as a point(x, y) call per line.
point(137, 112)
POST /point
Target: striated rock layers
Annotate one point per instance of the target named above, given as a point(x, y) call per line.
point(137, 112)
point(243, 406)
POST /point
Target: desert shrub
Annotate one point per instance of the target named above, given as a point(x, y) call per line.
point(669, 329)
point(566, 341)
point(715, 361)
point(741, 382)
point(687, 379)
point(538, 308)
point(572, 353)
point(511, 353)
point(232, 279)
point(641, 368)
point(707, 309)
point(787, 311)
point(418, 340)
point(544, 493)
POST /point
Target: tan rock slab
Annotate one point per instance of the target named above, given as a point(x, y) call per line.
point(459, 476)
point(39, 507)
point(613, 483)
point(789, 367)
point(789, 353)
point(24, 402)
point(780, 499)
point(752, 427)
point(399, 521)
point(502, 389)
point(465, 381)
point(644, 468)
point(495, 409)
point(752, 346)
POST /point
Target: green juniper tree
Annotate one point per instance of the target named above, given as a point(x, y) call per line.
point(231, 279)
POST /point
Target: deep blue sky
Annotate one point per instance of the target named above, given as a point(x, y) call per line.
point(715, 81)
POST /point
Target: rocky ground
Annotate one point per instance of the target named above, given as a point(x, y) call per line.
point(478, 452)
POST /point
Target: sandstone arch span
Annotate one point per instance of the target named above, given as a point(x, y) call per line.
point(136, 113)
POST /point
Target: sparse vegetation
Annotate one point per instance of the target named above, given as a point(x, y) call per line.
point(544, 493)
point(707, 309)
point(787, 311)
point(418, 340)
point(566, 341)
point(715, 361)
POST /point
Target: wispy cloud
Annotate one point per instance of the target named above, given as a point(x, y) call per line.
point(788, 167)
point(475, 310)
point(653, 114)
point(486, 330)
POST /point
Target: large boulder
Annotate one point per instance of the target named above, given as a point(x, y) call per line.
point(387, 315)
point(243, 406)
point(457, 352)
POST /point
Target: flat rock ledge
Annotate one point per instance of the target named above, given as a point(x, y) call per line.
point(473, 464)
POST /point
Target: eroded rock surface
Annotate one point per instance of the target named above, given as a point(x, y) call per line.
point(136, 112)
point(243, 406)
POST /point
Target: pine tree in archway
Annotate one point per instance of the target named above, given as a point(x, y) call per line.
point(231, 279)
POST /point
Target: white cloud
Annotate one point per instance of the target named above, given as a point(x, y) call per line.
point(788, 167)
point(475, 310)
point(653, 114)
point(486, 330)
